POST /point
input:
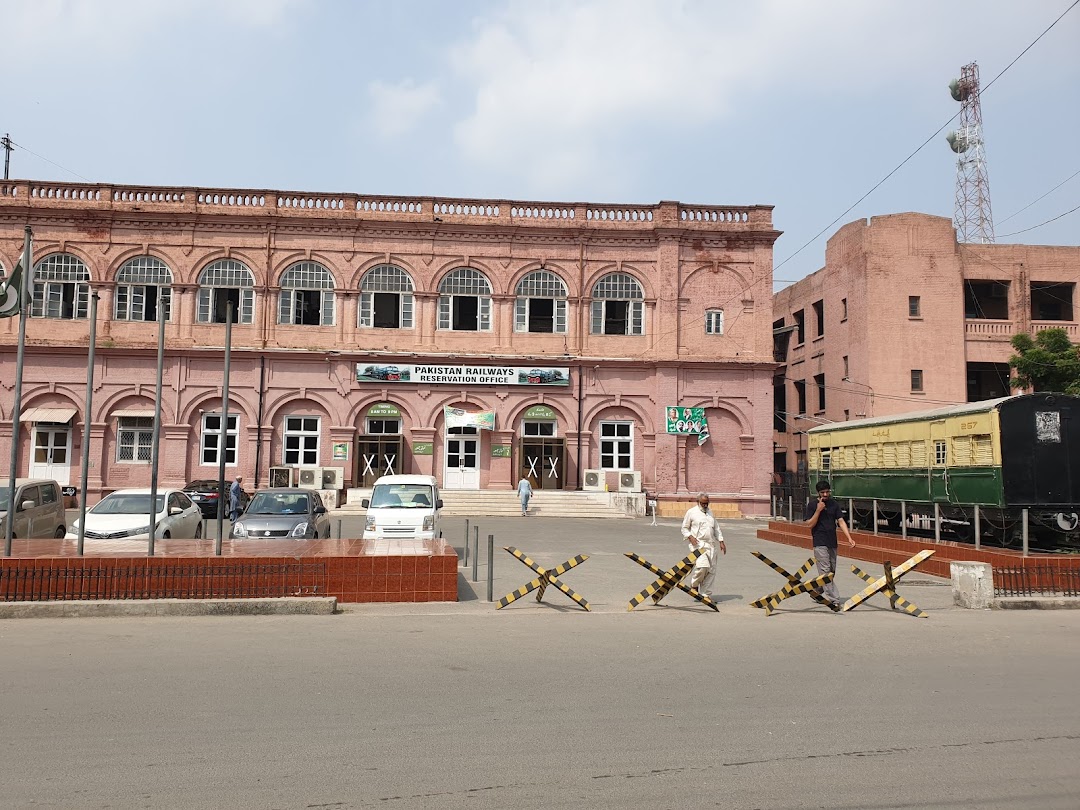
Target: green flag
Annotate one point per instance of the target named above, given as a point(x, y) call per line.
point(10, 305)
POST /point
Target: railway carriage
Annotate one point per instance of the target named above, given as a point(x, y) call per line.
point(1002, 455)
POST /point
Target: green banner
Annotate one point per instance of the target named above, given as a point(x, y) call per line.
point(500, 451)
point(540, 412)
point(384, 409)
point(687, 421)
point(423, 449)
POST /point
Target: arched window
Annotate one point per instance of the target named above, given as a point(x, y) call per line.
point(541, 303)
point(137, 285)
point(61, 288)
point(225, 282)
point(465, 301)
point(386, 298)
point(307, 295)
point(617, 306)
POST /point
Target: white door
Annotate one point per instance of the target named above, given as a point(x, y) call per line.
point(52, 454)
point(462, 459)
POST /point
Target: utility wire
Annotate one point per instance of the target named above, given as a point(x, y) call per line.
point(64, 168)
point(1033, 227)
point(1047, 194)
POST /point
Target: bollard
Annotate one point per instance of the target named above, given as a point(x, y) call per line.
point(1024, 529)
point(937, 522)
point(978, 533)
point(790, 513)
point(475, 552)
point(491, 565)
point(465, 551)
point(875, 516)
point(773, 512)
point(972, 584)
point(903, 520)
point(851, 512)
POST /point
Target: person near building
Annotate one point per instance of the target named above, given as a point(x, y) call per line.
point(823, 517)
point(525, 492)
point(235, 496)
point(702, 532)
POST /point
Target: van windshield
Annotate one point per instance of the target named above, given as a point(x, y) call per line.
point(402, 496)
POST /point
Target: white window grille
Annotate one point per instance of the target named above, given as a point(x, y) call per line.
point(383, 426)
point(135, 437)
point(465, 301)
point(307, 295)
point(616, 445)
point(137, 285)
point(301, 441)
point(221, 283)
point(61, 288)
point(618, 307)
point(940, 452)
point(211, 439)
point(386, 299)
point(714, 322)
point(541, 303)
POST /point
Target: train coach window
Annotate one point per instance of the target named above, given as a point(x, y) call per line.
point(940, 452)
point(826, 460)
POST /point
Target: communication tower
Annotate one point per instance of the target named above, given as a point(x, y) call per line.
point(973, 218)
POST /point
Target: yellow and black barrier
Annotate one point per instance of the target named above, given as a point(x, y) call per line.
point(795, 585)
point(669, 580)
point(546, 577)
point(887, 586)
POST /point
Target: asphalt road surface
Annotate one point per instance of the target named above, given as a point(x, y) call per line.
point(544, 705)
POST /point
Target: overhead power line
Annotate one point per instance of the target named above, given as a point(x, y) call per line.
point(1047, 194)
point(1053, 219)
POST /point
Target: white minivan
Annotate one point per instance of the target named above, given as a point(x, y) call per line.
point(403, 507)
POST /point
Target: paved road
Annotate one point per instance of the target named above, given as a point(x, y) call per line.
point(546, 706)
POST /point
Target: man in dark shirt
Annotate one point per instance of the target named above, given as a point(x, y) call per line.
point(823, 518)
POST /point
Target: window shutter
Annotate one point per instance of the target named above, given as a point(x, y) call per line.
point(597, 317)
point(166, 301)
point(82, 300)
point(121, 308)
point(637, 318)
point(37, 309)
point(328, 308)
point(285, 306)
point(138, 302)
point(485, 314)
point(560, 316)
point(364, 315)
point(444, 311)
point(203, 313)
point(521, 310)
point(406, 310)
point(247, 305)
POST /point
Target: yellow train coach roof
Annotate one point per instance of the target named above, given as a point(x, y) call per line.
point(943, 412)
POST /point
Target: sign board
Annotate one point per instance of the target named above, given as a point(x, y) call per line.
point(540, 412)
point(687, 421)
point(384, 409)
point(462, 375)
point(500, 451)
point(459, 417)
point(423, 448)
point(71, 492)
point(341, 451)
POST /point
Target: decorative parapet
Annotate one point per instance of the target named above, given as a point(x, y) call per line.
point(264, 202)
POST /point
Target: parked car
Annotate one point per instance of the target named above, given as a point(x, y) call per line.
point(125, 515)
point(204, 493)
point(39, 508)
point(283, 512)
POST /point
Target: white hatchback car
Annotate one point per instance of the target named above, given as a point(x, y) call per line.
point(125, 515)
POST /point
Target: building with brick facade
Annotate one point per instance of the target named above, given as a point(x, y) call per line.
point(551, 337)
point(903, 318)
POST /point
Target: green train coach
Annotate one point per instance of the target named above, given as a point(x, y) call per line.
point(1002, 455)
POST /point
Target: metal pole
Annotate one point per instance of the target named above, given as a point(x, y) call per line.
point(790, 509)
point(476, 552)
point(903, 520)
point(155, 443)
point(87, 411)
point(16, 410)
point(773, 512)
point(491, 565)
point(851, 512)
point(339, 529)
point(937, 522)
point(465, 562)
point(224, 438)
point(978, 532)
point(6, 143)
point(1024, 529)
point(875, 516)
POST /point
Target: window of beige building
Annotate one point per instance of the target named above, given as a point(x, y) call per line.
point(225, 282)
point(307, 295)
point(465, 301)
point(541, 303)
point(138, 283)
point(714, 322)
point(914, 306)
point(916, 379)
point(386, 298)
point(61, 288)
point(618, 307)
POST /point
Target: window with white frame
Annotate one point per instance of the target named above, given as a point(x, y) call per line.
point(137, 285)
point(307, 295)
point(616, 445)
point(386, 299)
point(465, 301)
point(211, 439)
point(301, 444)
point(134, 439)
point(541, 303)
point(714, 322)
point(61, 288)
point(618, 307)
point(225, 282)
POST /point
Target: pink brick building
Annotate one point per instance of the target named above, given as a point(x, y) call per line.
point(903, 318)
point(360, 320)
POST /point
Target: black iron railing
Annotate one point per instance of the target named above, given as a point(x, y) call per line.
point(179, 581)
point(1038, 580)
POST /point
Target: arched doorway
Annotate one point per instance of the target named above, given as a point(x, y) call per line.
point(541, 451)
point(380, 449)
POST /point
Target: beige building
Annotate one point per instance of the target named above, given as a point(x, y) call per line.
point(902, 318)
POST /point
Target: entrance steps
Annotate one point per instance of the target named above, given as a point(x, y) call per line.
point(505, 503)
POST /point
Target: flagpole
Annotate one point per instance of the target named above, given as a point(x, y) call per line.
point(223, 439)
point(156, 440)
point(87, 410)
point(16, 411)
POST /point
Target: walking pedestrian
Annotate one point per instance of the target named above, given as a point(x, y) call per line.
point(525, 492)
point(823, 518)
point(702, 532)
point(235, 494)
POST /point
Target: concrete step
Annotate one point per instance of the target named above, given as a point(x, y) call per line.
point(545, 503)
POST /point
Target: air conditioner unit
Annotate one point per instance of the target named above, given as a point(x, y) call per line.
point(594, 480)
point(310, 478)
point(281, 476)
point(630, 481)
point(333, 477)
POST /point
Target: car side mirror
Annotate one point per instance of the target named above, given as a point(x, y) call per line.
point(438, 503)
point(175, 510)
point(320, 510)
point(365, 503)
point(24, 505)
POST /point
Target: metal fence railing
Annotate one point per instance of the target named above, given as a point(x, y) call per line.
point(1041, 580)
point(180, 581)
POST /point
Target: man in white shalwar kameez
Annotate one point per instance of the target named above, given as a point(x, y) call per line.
point(702, 532)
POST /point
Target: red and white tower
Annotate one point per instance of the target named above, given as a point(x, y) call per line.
point(973, 218)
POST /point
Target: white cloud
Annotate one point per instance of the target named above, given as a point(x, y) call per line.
point(396, 108)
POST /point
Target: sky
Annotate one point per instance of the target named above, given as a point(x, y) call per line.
point(801, 105)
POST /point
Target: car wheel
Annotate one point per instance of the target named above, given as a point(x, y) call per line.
point(59, 533)
point(166, 536)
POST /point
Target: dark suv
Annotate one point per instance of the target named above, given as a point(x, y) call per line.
point(204, 494)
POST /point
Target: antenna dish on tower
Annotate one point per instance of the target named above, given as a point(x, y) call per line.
point(972, 217)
